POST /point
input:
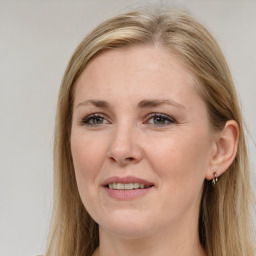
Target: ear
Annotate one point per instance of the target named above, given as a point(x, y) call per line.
point(225, 149)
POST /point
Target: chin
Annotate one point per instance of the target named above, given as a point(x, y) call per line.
point(127, 225)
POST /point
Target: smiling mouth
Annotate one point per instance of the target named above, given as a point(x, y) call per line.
point(127, 186)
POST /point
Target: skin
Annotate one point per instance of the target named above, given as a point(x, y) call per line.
point(175, 156)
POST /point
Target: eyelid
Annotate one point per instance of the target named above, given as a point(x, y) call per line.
point(156, 114)
point(84, 120)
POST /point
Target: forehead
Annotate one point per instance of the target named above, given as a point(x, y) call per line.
point(141, 58)
point(136, 72)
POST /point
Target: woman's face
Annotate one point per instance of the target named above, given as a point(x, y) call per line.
point(140, 141)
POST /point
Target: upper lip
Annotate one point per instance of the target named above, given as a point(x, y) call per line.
point(126, 180)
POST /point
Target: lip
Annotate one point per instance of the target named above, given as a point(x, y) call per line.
point(127, 179)
point(127, 194)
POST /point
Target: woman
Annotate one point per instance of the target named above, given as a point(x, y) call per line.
point(150, 154)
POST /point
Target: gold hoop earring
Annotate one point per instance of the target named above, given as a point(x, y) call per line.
point(215, 179)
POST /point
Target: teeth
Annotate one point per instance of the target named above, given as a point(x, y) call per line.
point(119, 186)
point(142, 186)
point(136, 185)
point(127, 186)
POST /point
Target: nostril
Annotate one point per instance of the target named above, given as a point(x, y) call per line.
point(129, 159)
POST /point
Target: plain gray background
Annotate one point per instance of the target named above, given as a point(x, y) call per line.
point(37, 39)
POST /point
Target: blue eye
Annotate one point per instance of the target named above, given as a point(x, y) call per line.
point(160, 119)
point(157, 119)
point(94, 120)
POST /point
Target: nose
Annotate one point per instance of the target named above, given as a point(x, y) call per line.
point(124, 146)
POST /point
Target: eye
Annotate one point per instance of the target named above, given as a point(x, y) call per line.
point(160, 119)
point(94, 120)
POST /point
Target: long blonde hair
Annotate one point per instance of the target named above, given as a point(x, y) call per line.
point(225, 223)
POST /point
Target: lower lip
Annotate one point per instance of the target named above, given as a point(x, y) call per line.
point(124, 194)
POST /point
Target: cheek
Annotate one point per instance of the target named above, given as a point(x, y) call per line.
point(87, 152)
point(181, 162)
point(88, 157)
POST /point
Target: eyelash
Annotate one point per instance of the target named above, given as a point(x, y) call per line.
point(87, 119)
point(92, 117)
point(164, 117)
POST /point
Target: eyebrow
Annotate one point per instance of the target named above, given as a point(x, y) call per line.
point(96, 103)
point(142, 104)
point(156, 103)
